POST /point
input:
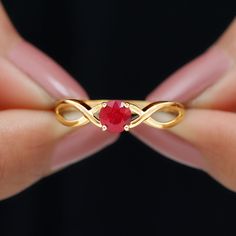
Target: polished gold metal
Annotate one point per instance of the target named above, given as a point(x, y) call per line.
point(142, 112)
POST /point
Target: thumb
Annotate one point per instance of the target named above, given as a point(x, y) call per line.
point(213, 133)
point(27, 140)
point(31, 143)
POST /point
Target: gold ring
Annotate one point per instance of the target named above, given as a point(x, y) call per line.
point(117, 115)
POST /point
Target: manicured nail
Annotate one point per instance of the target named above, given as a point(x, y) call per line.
point(193, 78)
point(183, 86)
point(44, 71)
point(169, 145)
point(77, 145)
point(17, 90)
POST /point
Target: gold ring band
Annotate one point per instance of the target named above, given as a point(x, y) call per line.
point(116, 115)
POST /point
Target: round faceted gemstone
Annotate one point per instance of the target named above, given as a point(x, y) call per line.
point(115, 116)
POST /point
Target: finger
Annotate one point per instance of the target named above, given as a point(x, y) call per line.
point(21, 64)
point(212, 67)
point(221, 94)
point(213, 133)
point(17, 90)
point(31, 80)
point(216, 67)
point(30, 133)
point(208, 81)
point(38, 147)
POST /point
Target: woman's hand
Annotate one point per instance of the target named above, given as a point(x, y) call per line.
point(206, 138)
point(32, 143)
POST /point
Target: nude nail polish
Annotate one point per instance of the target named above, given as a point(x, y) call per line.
point(77, 145)
point(44, 71)
point(189, 81)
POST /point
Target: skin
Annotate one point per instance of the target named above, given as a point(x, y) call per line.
point(28, 125)
point(27, 122)
point(209, 124)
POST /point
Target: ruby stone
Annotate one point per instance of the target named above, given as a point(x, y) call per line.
point(115, 116)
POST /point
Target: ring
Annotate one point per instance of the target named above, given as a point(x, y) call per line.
point(117, 115)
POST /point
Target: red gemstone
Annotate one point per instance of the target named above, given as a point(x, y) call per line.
point(115, 116)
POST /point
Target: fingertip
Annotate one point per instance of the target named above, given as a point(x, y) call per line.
point(45, 72)
point(170, 146)
point(80, 143)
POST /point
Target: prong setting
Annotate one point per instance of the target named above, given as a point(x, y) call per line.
point(115, 115)
point(104, 104)
point(126, 104)
point(126, 128)
point(104, 128)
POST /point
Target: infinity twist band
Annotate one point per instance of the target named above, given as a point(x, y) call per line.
point(116, 115)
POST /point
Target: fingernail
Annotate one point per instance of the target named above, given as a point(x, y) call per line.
point(44, 71)
point(19, 91)
point(77, 145)
point(169, 145)
point(193, 78)
point(183, 86)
